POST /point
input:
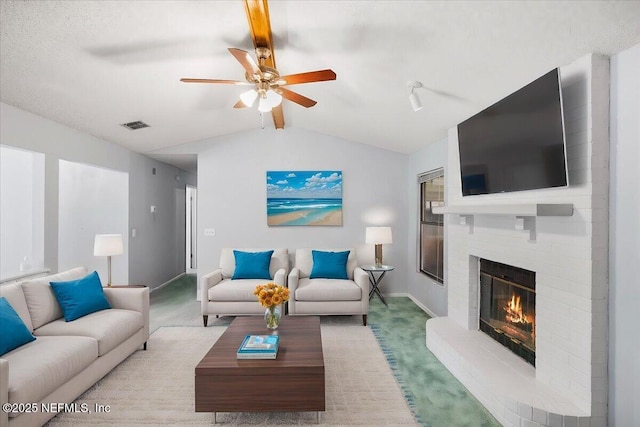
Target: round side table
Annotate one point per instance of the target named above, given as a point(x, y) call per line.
point(380, 270)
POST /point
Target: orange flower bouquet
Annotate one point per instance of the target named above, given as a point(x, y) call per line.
point(271, 296)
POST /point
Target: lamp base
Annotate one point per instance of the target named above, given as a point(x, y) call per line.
point(109, 268)
point(378, 255)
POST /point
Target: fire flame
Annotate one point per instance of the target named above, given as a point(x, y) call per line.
point(514, 311)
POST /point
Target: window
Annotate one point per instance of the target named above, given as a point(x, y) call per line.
point(21, 212)
point(431, 186)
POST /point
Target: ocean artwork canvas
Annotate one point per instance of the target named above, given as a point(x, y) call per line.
point(304, 198)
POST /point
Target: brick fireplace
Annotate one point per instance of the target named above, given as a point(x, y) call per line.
point(568, 254)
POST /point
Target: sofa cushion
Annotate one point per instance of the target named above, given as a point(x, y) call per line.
point(80, 297)
point(14, 331)
point(109, 327)
point(252, 265)
point(327, 290)
point(14, 295)
point(235, 290)
point(329, 265)
point(41, 366)
point(42, 303)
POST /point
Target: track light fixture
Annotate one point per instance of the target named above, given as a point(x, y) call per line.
point(413, 97)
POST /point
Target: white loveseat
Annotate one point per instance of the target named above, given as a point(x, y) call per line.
point(328, 296)
point(66, 358)
point(222, 296)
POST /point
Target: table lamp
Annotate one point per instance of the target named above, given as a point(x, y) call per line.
point(378, 236)
point(108, 245)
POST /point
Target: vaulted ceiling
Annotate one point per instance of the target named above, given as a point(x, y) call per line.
point(93, 65)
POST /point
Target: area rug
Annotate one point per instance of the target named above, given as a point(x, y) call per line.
point(156, 387)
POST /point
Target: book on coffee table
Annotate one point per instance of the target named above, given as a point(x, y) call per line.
point(258, 347)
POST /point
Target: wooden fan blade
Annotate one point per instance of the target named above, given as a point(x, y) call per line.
point(308, 77)
point(297, 98)
point(278, 116)
point(226, 82)
point(260, 27)
point(246, 60)
point(240, 104)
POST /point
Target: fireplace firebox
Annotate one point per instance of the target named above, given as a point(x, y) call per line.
point(508, 307)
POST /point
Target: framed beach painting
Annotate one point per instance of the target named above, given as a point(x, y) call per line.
point(304, 198)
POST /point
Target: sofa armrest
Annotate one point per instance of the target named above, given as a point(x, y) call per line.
point(280, 277)
point(135, 299)
point(208, 281)
point(130, 298)
point(292, 282)
point(361, 278)
point(4, 391)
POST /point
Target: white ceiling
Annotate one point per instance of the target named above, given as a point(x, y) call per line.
point(92, 65)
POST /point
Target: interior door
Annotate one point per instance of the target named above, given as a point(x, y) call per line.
point(191, 229)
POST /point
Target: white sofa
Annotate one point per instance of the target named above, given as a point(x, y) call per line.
point(222, 296)
point(66, 358)
point(327, 296)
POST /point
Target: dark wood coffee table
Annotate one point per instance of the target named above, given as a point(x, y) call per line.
point(293, 382)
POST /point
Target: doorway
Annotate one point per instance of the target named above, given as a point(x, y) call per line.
point(191, 229)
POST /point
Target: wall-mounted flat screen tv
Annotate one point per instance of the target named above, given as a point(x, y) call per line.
point(517, 143)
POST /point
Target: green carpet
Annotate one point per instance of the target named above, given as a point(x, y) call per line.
point(437, 398)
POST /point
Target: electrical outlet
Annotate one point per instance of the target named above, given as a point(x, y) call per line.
point(209, 232)
point(134, 232)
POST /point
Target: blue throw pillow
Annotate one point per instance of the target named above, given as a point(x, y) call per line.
point(329, 265)
point(14, 332)
point(80, 297)
point(252, 265)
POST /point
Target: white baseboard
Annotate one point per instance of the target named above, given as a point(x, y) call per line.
point(397, 294)
point(416, 302)
point(167, 282)
point(422, 306)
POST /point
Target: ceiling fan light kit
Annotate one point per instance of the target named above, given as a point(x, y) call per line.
point(416, 104)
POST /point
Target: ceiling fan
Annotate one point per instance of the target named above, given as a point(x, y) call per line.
point(263, 75)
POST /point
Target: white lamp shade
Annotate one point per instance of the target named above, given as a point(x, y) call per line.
point(249, 97)
point(273, 98)
point(378, 235)
point(108, 244)
point(264, 106)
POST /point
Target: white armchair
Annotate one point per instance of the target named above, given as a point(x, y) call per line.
point(320, 296)
point(222, 296)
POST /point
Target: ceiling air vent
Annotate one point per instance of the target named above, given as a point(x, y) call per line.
point(135, 125)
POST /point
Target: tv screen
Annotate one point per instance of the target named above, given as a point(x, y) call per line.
point(517, 143)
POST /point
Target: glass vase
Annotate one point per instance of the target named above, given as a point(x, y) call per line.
point(272, 316)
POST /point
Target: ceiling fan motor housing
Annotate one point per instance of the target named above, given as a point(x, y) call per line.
point(269, 75)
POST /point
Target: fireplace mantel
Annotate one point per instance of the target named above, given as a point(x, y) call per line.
point(525, 213)
point(518, 210)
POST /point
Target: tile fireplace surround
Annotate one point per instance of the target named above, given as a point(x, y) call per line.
point(568, 385)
